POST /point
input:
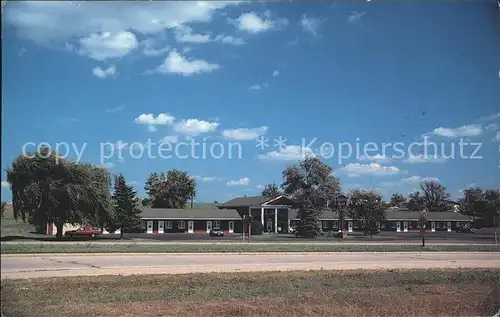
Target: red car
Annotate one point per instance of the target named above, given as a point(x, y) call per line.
point(84, 232)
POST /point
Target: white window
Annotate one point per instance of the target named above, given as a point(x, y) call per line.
point(216, 224)
point(168, 224)
point(182, 224)
point(335, 223)
point(325, 224)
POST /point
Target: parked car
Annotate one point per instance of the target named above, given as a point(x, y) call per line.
point(83, 232)
point(465, 230)
point(216, 233)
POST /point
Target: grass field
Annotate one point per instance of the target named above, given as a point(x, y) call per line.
point(197, 248)
point(321, 293)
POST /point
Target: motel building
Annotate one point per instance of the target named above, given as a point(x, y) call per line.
point(278, 215)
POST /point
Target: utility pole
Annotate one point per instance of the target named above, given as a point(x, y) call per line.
point(495, 224)
point(244, 225)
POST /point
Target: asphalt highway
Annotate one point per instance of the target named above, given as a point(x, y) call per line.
point(46, 265)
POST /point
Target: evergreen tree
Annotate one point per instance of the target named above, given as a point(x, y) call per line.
point(127, 215)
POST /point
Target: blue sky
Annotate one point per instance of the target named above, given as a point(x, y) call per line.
point(222, 73)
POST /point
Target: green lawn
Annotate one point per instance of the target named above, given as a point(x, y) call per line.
point(198, 248)
point(288, 294)
point(16, 228)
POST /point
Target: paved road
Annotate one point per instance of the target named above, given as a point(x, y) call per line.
point(30, 266)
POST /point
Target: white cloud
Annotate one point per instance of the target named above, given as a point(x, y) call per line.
point(184, 34)
point(108, 45)
point(106, 165)
point(151, 120)
point(227, 39)
point(417, 159)
point(288, 153)
point(175, 63)
point(379, 158)
point(149, 48)
point(408, 181)
point(5, 184)
point(244, 134)
point(260, 187)
point(258, 86)
point(103, 73)
point(375, 169)
point(115, 109)
point(239, 182)
point(463, 131)
point(276, 73)
point(497, 137)
point(310, 24)
point(492, 117)
point(253, 23)
point(207, 179)
point(170, 139)
point(195, 127)
point(492, 127)
point(355, 16)
point(60, 21)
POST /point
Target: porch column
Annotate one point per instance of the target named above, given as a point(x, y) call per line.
point(275, 220)
point(288, 221)
point(262, 216)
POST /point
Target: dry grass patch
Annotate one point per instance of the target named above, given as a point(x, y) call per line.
point(323, 293)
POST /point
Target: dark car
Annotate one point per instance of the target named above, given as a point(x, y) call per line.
point(465, 230)
point(216, 233)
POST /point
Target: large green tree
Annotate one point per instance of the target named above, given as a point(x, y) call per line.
point(368, 207)
point(271, 190)
point(50, 188)
point(435, 196)
point(396, 200)
point(3, 208)
point(171, 190)
point(481, 204)
point(127, 214)
point(416, 201)
point(312, 184)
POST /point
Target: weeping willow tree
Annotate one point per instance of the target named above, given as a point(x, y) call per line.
point(49, 188)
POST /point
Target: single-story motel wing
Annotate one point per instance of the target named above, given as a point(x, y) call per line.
point(278, 215)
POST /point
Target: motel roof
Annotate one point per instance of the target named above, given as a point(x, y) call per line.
point(395, 214)
point(246, 201)
point(189, 214)
point(255, 201)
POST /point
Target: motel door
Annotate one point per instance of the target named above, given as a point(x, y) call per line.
point(231, 226)
point(150, 226)
point(190, 226)
point(349, 228)
point(269, 226)
point(449, 225)
point(398, 226)
point(161, 226)
point(405, 226)
point(433, 226)
point(209, 226)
